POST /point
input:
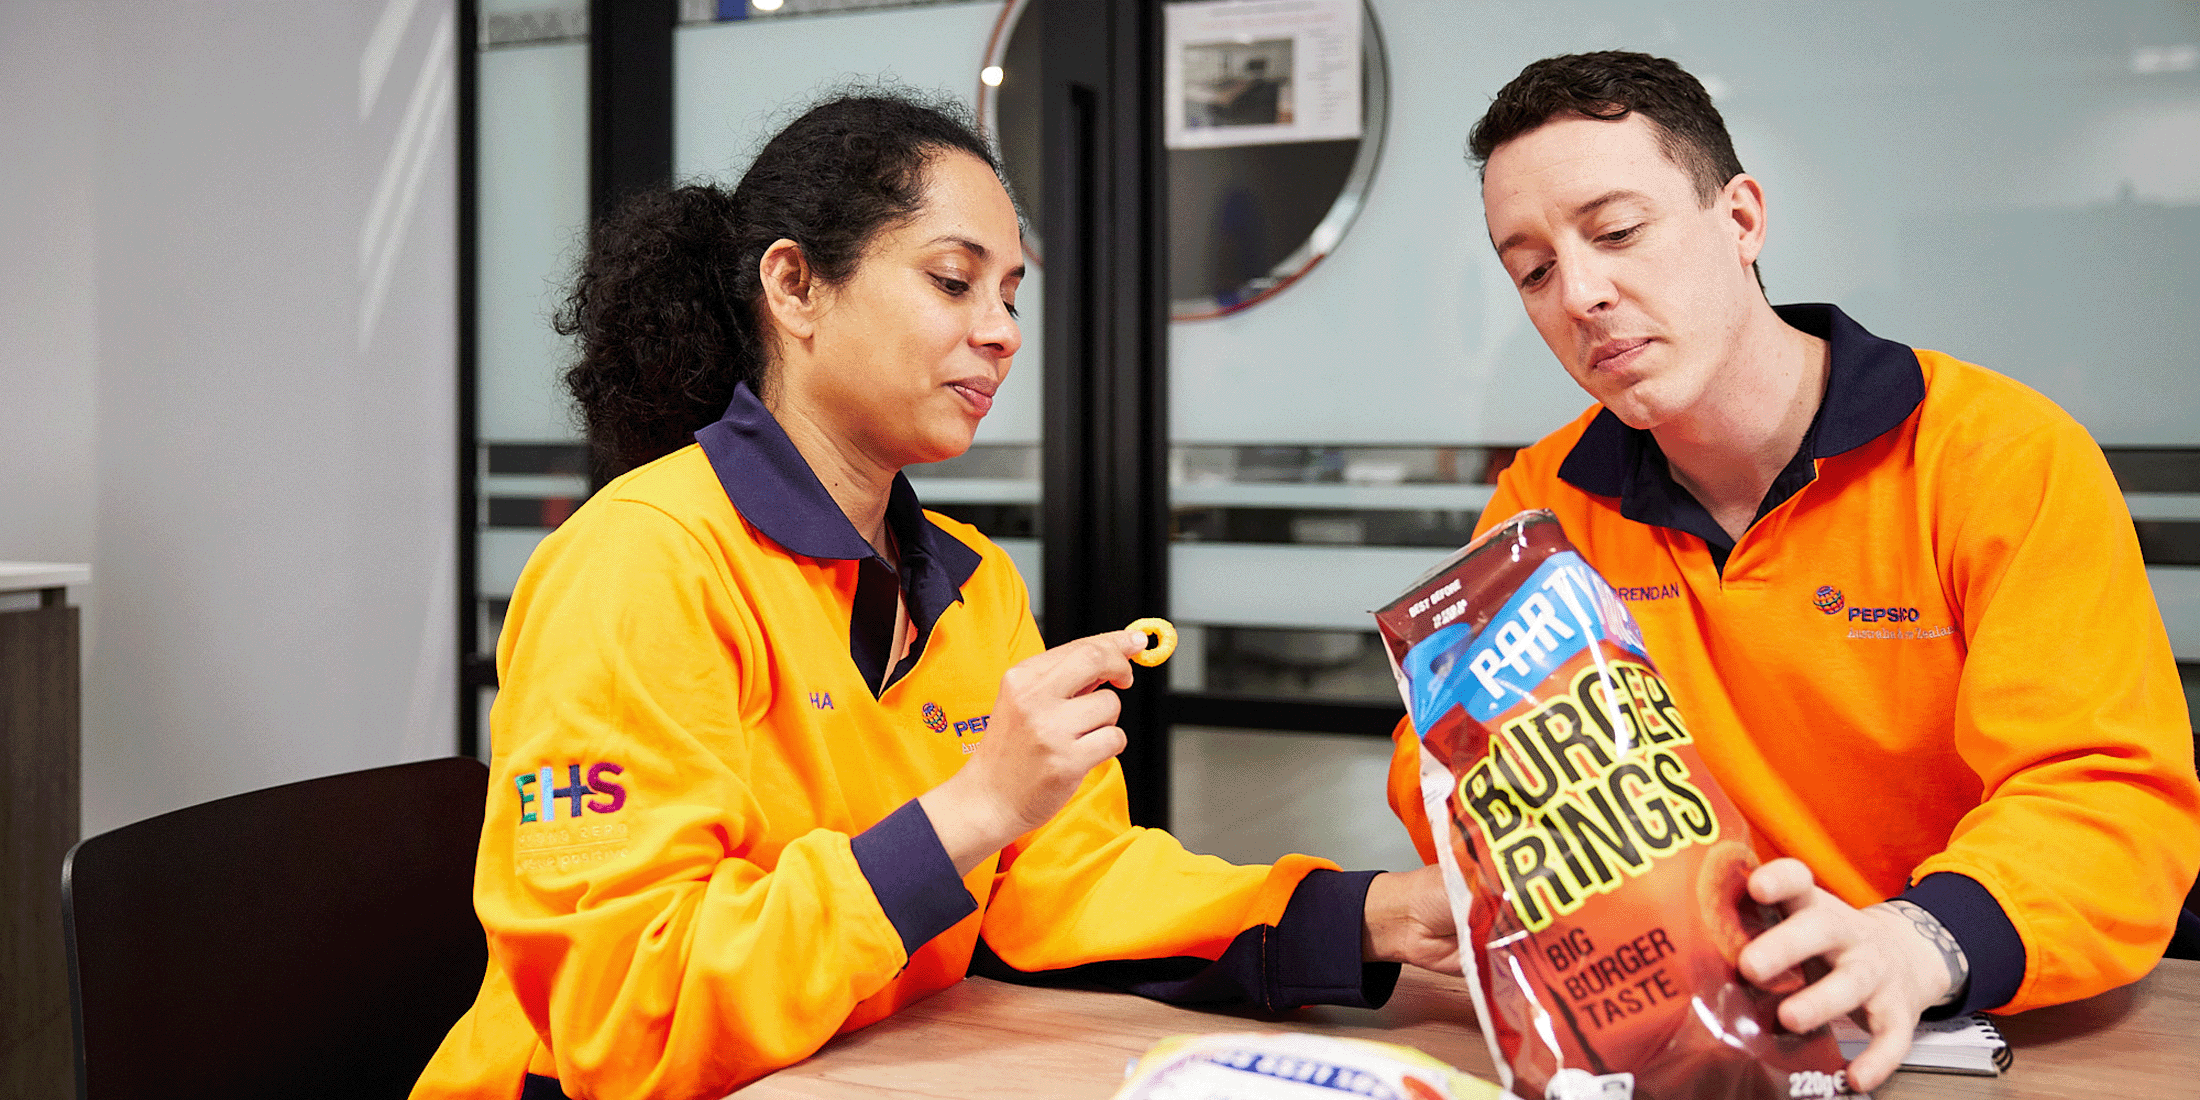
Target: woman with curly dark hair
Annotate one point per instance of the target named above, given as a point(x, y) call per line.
point(777, 751)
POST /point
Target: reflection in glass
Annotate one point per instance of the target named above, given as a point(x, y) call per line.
point(1245, 220)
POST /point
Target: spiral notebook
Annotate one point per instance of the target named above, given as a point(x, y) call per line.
point(1960, 1044)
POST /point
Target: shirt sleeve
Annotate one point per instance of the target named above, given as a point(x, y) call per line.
point(659, 941)
point(1090, 897)
point(2070, 712)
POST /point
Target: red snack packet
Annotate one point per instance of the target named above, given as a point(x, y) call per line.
point(1596, 869)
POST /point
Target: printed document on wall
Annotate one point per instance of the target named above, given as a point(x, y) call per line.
point(1257, 72)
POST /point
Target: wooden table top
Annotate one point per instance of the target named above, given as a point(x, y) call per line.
point(984, 1038)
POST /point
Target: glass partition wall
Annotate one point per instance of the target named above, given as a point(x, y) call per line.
point(528, 208)
point(1348, 367)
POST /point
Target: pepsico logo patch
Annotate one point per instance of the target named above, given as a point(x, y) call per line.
point(935, 719)
point(1828, 599)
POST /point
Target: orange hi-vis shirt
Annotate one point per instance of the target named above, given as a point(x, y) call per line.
point(1932, 668)
point(702, 856)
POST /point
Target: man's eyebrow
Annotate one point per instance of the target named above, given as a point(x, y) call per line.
point(975, 249)
point(1617, 194)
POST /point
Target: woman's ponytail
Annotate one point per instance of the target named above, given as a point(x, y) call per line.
point(663, 334)
point(666, 307)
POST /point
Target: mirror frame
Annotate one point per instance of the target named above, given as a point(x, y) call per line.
point(1319, 242)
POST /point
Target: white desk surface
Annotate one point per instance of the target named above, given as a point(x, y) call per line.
point(17, 576)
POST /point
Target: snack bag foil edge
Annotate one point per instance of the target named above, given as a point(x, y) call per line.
point(1596, 869)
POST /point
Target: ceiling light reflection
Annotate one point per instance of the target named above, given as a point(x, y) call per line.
point(2148, 60)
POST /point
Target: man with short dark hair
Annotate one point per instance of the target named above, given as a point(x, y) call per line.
point(1897, 595)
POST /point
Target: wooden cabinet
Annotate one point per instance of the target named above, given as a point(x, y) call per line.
point(40, 708)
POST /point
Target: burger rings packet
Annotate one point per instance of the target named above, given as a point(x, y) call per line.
point(1597, 872)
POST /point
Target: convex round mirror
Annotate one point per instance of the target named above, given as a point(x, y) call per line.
point(1273, 119)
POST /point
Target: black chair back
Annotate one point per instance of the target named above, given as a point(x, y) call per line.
point(2184, 943)
point(314, 939)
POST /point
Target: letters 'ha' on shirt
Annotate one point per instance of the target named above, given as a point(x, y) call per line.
point(1932, 668)
point(702, 857)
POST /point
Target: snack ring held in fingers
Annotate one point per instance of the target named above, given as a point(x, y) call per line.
point(1724, 905)
point(1164, 635)
point(1721, 890)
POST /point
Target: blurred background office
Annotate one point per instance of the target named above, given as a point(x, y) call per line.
point(275, 357)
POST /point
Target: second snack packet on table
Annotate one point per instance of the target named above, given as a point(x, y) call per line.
point(1596, 870)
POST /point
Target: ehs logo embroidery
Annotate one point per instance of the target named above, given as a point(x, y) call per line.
point(539, 793)
point(1828, 599)
point(935, 719)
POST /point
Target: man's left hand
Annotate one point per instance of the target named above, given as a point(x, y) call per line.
point(1880, 965)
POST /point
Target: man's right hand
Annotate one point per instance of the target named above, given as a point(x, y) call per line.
point(1880, 966)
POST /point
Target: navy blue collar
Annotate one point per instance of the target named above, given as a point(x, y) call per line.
point(775, 490)
point(1872, 385)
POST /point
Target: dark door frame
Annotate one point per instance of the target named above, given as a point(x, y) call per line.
point(1105, 492)
point(629, 149)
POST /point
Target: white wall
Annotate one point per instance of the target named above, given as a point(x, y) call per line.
point(229, 330)
point(48, 342)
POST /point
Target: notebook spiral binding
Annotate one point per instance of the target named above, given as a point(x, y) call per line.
point(2002, 1055)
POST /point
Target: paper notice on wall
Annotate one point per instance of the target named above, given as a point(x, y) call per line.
point(1257, 72)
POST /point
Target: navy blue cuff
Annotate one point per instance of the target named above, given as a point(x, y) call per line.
point(1990, 943)
point(1310, 956)
point(1317, 957)
point(909, 870)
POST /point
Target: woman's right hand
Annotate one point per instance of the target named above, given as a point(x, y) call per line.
point(1052, 724)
